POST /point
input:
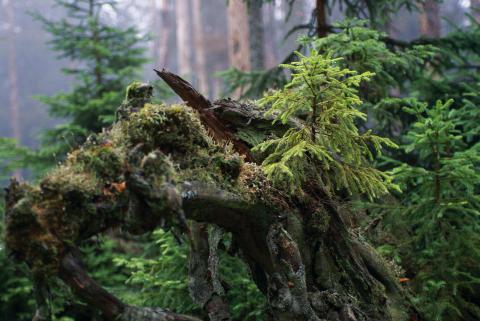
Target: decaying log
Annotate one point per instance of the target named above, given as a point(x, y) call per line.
point(159, 167)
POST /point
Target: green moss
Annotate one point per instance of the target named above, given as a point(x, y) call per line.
point(138, 94)
point(255, 184)
point(27, 237)
point(159, 166)
point(230, 166)
point(174, 129)
point(102, 160)
point(177, 132)
point(69, 177)
point(319, 221)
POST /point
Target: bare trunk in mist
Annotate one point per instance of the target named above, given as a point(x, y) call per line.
point(200, 50)
point(238, 37)
point(184, 41)
point(271, 32)
point(430, 19)
point(163, 29)
point(12, 69)
point(256, 31)
point(321, 12)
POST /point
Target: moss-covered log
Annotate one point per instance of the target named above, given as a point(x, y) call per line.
point(162, 165)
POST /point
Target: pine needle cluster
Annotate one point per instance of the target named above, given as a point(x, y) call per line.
point(327, 144)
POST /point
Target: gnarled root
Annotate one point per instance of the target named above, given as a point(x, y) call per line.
point(287, 289)
point(152, 314)
point(205, 286)
point(40, 291)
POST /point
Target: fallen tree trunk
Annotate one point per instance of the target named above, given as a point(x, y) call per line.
point(159, 166)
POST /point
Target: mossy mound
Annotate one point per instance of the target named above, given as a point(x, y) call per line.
point(175, 129)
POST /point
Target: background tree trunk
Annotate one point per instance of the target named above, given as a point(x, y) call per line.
point(12, 70)
point(270, 51)
point(256, 32)
point(238, 37)
point(321, 12)
point(184, 38)
point(13, 75)
point(162, 25)
point(200, 58)
point(430, 19)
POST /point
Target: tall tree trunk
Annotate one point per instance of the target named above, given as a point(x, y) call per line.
point(200, 50)
point(162, 26)
point(430, 19)
point(270, 41)
point(12, 70)
point(321, 13)
point(184, 41)
point(475, 9)
point(13, 75)
point(155, 27)
point(256, 32)
point(238, 37)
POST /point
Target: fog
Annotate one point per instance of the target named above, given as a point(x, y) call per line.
point(30, 68)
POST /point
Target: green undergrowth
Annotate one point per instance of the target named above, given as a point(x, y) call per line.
point(161, 275)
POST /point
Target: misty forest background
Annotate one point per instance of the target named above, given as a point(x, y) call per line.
point(226, 48)
point(26, 56)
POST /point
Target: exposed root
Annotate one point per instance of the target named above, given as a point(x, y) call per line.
point(152, 314)
point(287, 288)
point(204, 283)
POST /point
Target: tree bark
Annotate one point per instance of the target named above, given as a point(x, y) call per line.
point(162, 25)
point(200, 50)
point(270, 41)
point(430, 24)
point(255, 31)
point(182, 19)
point(205, 285)
point(321, 14)
point(238, 37)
